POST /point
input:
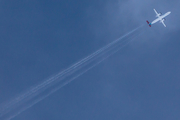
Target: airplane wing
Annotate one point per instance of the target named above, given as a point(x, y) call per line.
point(163, 23)
point(157, 14)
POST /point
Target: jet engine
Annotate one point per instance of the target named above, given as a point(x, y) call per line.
point(160, 14)
point(163, 19)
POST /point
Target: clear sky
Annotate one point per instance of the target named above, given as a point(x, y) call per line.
point(39, 38)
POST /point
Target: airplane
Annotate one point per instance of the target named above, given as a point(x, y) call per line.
point(160, 18)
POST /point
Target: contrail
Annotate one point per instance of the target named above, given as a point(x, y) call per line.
point(37, 89)
point(64, 72)
point(67, 82)
point(34, 89)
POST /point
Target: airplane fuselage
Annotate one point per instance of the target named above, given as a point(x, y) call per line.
point(160, 17)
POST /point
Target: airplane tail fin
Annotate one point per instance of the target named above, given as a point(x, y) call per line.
point(148, 23)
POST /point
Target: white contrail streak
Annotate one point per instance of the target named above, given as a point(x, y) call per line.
point(65, 72)
point(37, 89)
point(67, 82)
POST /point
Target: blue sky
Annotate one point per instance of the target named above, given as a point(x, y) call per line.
point(39, 38)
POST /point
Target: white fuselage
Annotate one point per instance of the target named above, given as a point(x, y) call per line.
point(160, 18)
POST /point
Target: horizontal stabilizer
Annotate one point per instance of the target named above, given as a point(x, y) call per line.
point(148, 23)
